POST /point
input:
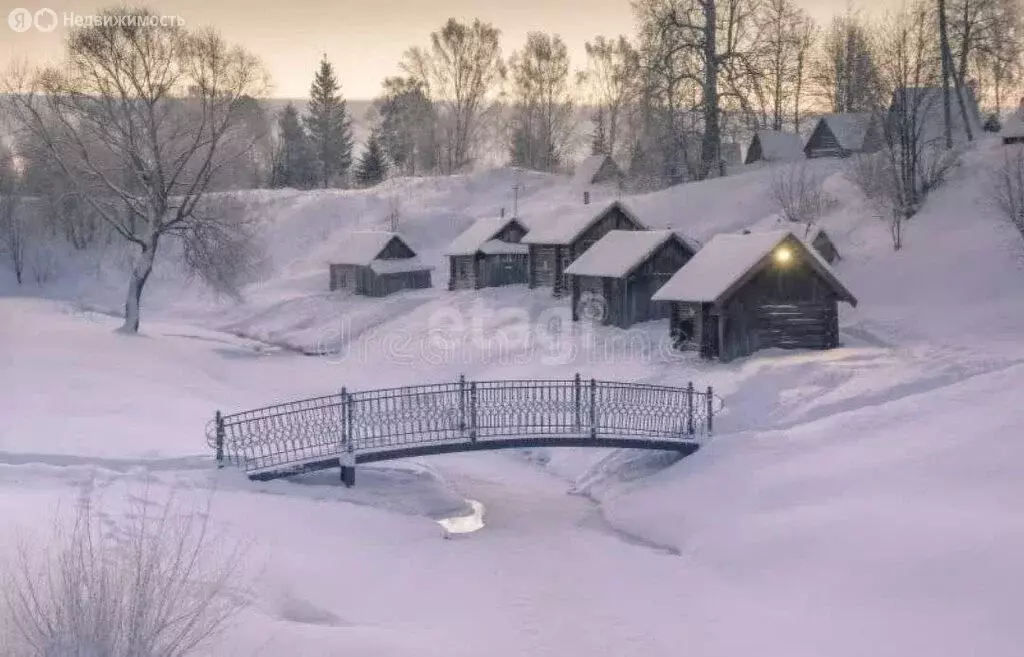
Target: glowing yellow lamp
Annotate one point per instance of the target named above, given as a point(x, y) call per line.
point(783, 255)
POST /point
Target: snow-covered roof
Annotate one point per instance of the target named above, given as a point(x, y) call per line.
point(780, 145)
point(567, 224)
point(363, 246)
point(619, 252)
point(849, 129)
point(482, 231)
point(727, 259)
point(498, 247)
point(1014, 125)
point(398, 265)
point(588, 168)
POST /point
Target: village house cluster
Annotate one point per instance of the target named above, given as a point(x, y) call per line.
point(725, 299)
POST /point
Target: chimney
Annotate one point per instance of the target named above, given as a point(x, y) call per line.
point(586, 198)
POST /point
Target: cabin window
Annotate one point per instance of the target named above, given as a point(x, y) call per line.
point(461, 268)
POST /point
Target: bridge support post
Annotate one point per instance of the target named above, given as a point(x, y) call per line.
point(593, 408)
point(462, 405)
point(347, 457)
point(689, 408)
point(711, 410)
point(578, 403)
point(472, 411)
point(219, 421)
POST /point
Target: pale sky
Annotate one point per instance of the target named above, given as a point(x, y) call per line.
point(364, 39)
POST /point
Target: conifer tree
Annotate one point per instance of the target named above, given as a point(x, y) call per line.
point(599, 138)
point(294, 164)
point(329, 127)
point(373, 166)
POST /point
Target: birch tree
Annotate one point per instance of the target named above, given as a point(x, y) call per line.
point(611, 80)
point(141, 120)
point(542, 124)
point(458, 72)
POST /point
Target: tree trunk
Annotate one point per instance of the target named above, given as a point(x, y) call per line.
point(712, 138)
point(141, 269)
point(944, 45)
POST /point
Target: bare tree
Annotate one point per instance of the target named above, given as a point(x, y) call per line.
point(543, 121)
point(458, 73)
point(13, 236)
point(141, 121)
point(799, 195)
point(913, 160)
point(704, 53)
point(1008, 187)
point(155, 583)
point(845, 71)
point(612, 81)
point(786, 31)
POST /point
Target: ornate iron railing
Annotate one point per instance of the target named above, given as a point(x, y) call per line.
point(347, 427)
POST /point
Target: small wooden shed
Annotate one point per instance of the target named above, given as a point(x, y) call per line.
point(566, 235)
point(842, 135)
point(774, 146)
point(614, 280)
point(597, 169)
point(488, 254)
point(377, 263)
point(741, 293)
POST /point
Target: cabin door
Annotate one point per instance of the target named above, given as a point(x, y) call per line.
point(709, 346)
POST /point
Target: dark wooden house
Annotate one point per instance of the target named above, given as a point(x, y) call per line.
point(376, 264)
point(741, 293)
point(614, 280)
point(842, 135)
point(596, 170)
point(566, 235)
point(774, 146)
point(488, 254)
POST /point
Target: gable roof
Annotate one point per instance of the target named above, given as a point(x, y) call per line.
point(619, 252)
point(729, 260)
point(567, 224)
point(1014, 125)
point(850, 130)
point(587, 169)
point(779, 145)
point(926, 105)
point(479, 233)
point(362, 247)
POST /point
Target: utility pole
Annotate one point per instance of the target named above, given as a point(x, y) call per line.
point(515, 199)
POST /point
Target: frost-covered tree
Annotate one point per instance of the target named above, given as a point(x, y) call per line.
point(140, 120)
point(845, 72)
point(329, 127)
point(611, 81)
point(599, 136)
point(13, 237)
point(542, 123)
point(408, 126)
point(294, 161)
point(373, 165)
point(459, 71)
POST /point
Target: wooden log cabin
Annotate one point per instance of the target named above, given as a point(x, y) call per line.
point(741, 293)
point(843, 135)
point(376, 264)
point(614, 280)
point(488, 254)
point(566, 236)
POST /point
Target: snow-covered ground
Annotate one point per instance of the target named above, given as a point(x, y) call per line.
point(862, 501)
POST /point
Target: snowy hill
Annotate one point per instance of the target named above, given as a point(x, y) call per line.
point(858, 501)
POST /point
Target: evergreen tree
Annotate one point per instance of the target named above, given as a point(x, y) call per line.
point(599, 138)
point(373, 166)
point(329, 126)
point(294, 164)
point(408, 123)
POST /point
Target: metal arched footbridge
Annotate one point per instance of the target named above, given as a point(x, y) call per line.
point(352, 427)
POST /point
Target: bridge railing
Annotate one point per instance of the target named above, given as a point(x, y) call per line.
point(344, 425)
